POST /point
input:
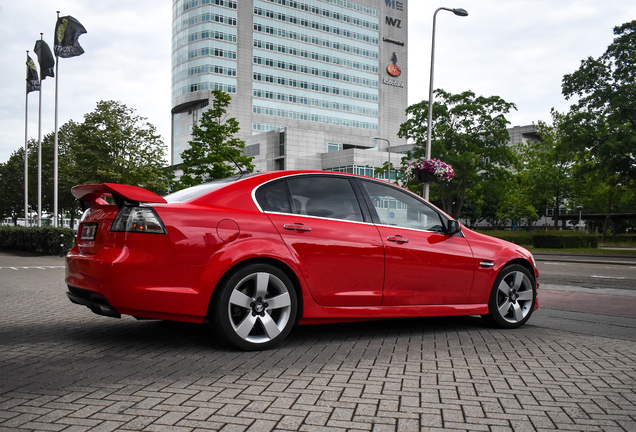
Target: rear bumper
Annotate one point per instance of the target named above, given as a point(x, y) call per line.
point(138, 283)
point(95, 302)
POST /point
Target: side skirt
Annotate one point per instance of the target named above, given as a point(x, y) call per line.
point(316, 314)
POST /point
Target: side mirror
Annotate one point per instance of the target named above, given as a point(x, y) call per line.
point(453, 227)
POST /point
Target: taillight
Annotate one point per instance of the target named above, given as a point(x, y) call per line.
point(138, 219)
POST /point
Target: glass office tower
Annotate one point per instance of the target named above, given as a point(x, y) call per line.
point(312, 81)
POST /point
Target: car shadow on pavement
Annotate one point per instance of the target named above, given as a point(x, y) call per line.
point(109, 350)
point(148, 334)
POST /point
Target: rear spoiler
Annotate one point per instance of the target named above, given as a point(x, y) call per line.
point(90, 195)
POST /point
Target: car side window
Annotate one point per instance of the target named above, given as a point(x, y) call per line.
point(324, 196)
point(395, 207)
point(273, 197)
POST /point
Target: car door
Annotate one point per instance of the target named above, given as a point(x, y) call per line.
point(337, 246)
point(423, 265)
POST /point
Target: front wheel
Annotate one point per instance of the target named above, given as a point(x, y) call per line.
point(256, 308)
point(513, 297)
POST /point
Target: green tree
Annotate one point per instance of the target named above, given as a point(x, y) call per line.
point(12, 190)
point(547, 168)
point(601, 125)
point(213, 148)
point(600, 193)
point(488, 197)
point(470, 133)
point(67, 203)
point(600, 128)
point(515, 206)
point(114, 145)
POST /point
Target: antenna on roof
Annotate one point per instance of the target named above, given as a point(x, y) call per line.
point(241, 171)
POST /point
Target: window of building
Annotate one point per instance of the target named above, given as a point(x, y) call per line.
point(252, 150)
point(333, 147)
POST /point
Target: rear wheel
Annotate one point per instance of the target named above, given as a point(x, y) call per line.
point(513, 297)
point(256, 308)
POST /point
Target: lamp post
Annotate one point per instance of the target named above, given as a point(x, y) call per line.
point(389, 151)
point(458, 12)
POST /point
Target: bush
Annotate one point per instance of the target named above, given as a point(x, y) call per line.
point(621, 240)
point(563, 239)
point(41, 240)
point(547, 239)
point(516, 237)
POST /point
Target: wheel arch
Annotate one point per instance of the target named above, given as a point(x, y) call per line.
point(525, 264)
point(260, 260)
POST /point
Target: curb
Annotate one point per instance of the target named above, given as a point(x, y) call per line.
point(586, 259)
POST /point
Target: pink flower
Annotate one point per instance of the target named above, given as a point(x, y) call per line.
point(441, 170)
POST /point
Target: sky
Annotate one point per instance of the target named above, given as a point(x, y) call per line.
point(518, 50)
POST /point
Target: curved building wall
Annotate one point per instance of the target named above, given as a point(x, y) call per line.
point(204, 57)
point(318, 66)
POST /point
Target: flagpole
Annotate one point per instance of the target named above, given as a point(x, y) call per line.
point(26, 154)
point(40, 152)
point(55, 167)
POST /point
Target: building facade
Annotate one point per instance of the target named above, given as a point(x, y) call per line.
point(313, 82)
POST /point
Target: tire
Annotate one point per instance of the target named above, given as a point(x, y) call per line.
point(512, 298)
point(256, 307)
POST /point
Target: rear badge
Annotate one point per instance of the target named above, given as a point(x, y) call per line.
point(89, 230)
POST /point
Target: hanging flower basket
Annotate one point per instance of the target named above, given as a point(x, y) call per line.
point(429, 171)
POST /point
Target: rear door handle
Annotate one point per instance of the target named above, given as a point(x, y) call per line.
point(397, 239)
point(296, 227)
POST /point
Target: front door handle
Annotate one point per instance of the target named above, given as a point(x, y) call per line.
point(296, 227)
point(397, 239)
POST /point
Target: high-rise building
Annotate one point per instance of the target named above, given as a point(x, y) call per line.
point(313, 82)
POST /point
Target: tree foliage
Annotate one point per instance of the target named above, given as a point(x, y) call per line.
point(515, 206)
point(601, 125)
point(598, 133)
point(547, 168)
point(114, 145)
point(111, 145)
point(12, 190)
point(470, 133)
point(213, 148)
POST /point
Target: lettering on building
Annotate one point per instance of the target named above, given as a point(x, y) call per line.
point(393, 22)
point(395, 5)
point(393, 83)
point(393, 41)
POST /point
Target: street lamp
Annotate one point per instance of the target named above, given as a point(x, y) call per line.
point(458, 12)
point(389, 151)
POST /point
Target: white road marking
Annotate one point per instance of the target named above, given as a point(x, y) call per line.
point(607, 277)
point(554, 263)
point(31, 267)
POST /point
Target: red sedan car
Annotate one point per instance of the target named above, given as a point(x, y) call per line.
point(258, 253)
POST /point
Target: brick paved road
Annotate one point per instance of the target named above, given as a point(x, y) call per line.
point(64, 368)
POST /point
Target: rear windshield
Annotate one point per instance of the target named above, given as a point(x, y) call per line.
point(198, 190)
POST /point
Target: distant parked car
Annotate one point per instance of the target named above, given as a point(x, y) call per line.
point(258, 253)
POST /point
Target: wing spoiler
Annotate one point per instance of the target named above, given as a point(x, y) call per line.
point(90, 195)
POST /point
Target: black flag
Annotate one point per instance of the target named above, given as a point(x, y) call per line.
point(67, 32)
point(45, 58)
point(33, 81)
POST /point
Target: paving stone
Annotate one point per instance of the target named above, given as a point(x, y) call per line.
point(403, 375)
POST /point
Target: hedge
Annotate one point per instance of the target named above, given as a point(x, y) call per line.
point(41, 240)
point(516, 237)
point(625, 239)
point(560, 241)
point(547, 239)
